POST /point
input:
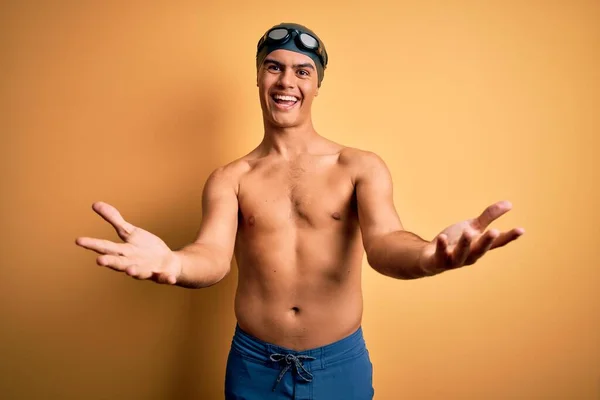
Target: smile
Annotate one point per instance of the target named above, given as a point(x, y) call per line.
point(284, 102)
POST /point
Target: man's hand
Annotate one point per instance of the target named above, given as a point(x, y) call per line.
point(142, 256)
point(465, 242)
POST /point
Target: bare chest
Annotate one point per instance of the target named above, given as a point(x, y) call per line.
point(302, 195)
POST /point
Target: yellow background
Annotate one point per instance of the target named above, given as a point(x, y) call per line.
point(134, 103)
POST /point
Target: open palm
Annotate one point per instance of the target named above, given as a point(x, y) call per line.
point(142, 255)
point(465, 242)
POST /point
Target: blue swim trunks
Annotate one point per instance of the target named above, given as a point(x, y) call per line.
point(257, 370)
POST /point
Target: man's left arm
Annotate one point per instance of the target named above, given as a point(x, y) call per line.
point(395, 252)
point(390, 249)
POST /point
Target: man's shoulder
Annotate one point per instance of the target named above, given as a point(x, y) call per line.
point(360, 158)
point(233, 168)
point(363, 165)
point(229, 174)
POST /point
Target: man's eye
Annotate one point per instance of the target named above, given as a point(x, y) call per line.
point(303, 72)
point(273, 67)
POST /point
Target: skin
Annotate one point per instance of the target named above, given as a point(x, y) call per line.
point(299, 213)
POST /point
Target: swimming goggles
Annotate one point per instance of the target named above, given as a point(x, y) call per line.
point(303, 40)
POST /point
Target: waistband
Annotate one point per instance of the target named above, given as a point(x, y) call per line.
point(272, 355)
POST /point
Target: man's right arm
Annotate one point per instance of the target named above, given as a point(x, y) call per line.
point(207, 260)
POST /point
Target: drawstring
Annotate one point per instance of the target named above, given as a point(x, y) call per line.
point(292, 361)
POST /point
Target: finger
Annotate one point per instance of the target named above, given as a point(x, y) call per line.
point(118, 263)
point(462, 249)
point(163, 278)
point(102, 246)
point(112, 216)
point(135, 272)
point(482, 246)
point(492, 213)
point(506, 237)
point(442, 255)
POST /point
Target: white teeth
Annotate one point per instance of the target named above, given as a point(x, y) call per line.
point(285, 98)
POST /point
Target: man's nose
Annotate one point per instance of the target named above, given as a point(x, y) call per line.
point(287, 78)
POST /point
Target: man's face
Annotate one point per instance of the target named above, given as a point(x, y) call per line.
point(287, 83)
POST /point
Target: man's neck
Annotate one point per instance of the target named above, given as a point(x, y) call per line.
point(289, 142)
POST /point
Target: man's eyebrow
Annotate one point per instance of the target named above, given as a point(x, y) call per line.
point(269, 60)
point(303, 65)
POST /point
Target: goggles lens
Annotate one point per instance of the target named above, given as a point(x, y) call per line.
point(309, 41)
point(278, 34)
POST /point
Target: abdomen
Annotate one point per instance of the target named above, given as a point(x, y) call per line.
point(300, 287)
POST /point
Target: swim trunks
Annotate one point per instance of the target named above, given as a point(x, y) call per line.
point(258, 370)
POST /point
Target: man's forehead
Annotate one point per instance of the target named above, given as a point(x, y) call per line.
point(288, 57)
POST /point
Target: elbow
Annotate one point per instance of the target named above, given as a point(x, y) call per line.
point(375, 253)
point(371, 260)
point(221, 267)
point(223, 270)
point(374, 259)
point(381, 261)
point(369, 246)
point(216, 271)
point(206, 271)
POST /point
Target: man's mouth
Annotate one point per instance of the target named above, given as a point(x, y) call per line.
point(284, 101)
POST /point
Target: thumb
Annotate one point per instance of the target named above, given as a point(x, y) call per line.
point(164, 278)
point(111, 215)
point(443, 256)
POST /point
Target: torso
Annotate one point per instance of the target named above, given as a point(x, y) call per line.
point(298, 249)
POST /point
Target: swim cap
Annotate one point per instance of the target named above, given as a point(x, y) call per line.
point(295, 41)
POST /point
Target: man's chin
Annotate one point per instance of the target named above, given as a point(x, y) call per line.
point(285, 121)
point(285, 125)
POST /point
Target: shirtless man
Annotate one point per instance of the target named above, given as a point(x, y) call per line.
point(299, 212)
